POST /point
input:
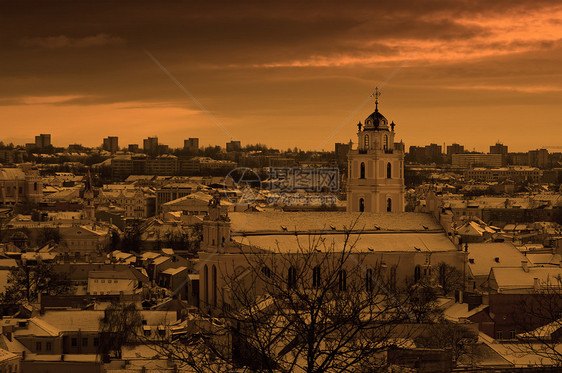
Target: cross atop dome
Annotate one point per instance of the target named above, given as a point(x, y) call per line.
point(376, 95)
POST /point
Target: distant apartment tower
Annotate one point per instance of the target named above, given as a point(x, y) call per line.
point(191, 144)
point(150, 144)
point(469, 160)
point(455, 149)
point(538, 158)
point(133, 148)
point(111, 144)
point(499, 148)
point(43, 140)
point(233, 146)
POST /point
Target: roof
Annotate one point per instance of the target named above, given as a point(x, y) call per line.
point(317, 221)
point(174, 271)
point(460, 310)
point(516, 278)
point(7, 355)
point(484, 256)
point(377, 242)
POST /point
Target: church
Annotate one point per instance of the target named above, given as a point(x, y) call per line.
point(376, 167)
point(379, 236)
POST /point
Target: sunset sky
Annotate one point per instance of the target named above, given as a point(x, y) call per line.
point(282, 73)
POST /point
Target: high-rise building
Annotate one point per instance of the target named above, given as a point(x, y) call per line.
point(500, 148)
point(455, 149)
point(191, 144)
point(150, 144)
point(133, 148)
point(111, 144)
point(538, 158)
point(43, 140)
point(233, 146)
point(376, 168)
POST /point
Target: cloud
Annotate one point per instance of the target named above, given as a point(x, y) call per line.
point(62, 41)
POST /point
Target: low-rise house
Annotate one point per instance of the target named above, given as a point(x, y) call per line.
point(176, 280)
point(9, 362)
point(114, 282)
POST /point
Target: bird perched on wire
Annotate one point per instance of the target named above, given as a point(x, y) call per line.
point(417, 248)
point(377, 227)
point(284, 228)
point(333, 227)
point(425, 227)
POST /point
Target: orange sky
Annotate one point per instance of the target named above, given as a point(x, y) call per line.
point(282, 73)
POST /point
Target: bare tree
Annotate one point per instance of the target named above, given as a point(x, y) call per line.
point(321, 308)
point(449, 278)
point(537, 317)
point(120, 325)
point(27, 281)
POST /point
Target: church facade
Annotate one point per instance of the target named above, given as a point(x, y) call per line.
point(376, 168)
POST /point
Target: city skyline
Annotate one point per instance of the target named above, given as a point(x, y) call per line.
point(449, 72)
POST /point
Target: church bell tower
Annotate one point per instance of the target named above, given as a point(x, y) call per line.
point(376, 167)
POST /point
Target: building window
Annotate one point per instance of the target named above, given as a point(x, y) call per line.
point(385, 142)
point(499, 334)
point(74, 342)
point(366, 143)
point(266, 271)
point(214, 285)
point(35, 186)
point(389, 170)
point(369, 280)
point(84, 342)
point(512, 334)
point(292, 278)
point(393, 278)
point(417, 273)
point(48, 346)
point(389, 205)
point(96, 341)
point(362, 176)
point(342, 280)
point(38, 346)
point(206, 284)
point(361, 204)
point(316, 276)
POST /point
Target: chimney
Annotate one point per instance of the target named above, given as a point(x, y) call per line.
point(525, 265)
point(536, 285)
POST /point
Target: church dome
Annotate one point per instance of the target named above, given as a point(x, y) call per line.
point(376, 121)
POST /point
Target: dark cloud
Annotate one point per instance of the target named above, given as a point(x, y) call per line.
point(286, 60)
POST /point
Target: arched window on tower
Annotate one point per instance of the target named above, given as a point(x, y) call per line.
point(388, 205)
point(366, 143)
point(361, 205)
point(362, 176)
point(388, 170)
